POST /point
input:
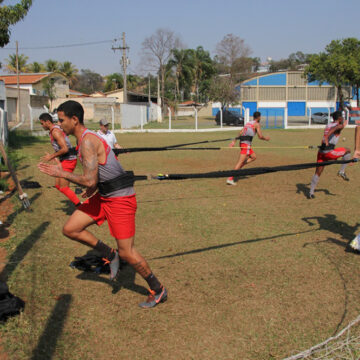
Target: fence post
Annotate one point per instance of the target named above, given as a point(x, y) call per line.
point(141, 119)
point(31, 118)
point(310, 116)
point(286, 118)
point(196, 119)
point(221, 118)
point(169, 110)
point(247, 116)
point(112, 117)
point(329, 109)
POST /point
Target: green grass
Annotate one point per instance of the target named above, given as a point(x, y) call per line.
point(255, 271)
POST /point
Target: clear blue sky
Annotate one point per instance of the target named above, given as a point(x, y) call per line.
point(271, 28)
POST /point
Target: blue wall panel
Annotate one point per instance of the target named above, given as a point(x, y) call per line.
point(272, 117)
point(296, 108)
point(276, 79)
point(317, 83)
point(251, 82)
point(215, 111)
point(251, 105)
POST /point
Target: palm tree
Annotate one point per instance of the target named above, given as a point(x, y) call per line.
point(36, 67)
point(203, 68)
point(11, 63)
point(51, 65)
point(182, 64)
point(69, 70)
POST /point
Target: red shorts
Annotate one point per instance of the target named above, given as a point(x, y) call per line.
point(118, 211)
point(331, 155)
point(69, 165)
point(246, 149)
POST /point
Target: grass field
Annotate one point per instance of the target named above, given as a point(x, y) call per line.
point(253, 271)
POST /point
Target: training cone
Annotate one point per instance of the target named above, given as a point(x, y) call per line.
point(355, 244)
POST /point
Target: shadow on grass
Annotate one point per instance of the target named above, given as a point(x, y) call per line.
point(53, 329)
point(186, 198)
point(125, 278)
point(216, 247)
point(68, 207)
point(305, 189)
point(329, 222)
point(21, 250)
point(19, 139)
point(10, 219)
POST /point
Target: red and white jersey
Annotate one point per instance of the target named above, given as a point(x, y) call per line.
point(249, 130)
point(333, 138)
point(56, 146)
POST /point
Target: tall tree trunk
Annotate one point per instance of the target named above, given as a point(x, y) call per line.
point(340, 96)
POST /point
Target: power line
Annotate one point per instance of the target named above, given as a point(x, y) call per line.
point(62, 46)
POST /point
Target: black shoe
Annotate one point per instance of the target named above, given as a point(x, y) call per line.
point(311, 196)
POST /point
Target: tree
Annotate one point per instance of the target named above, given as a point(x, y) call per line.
point(203, 71)
point(230, 50)
point(11, 63)
point(182, 62)
point(51, 65)
point(89, 82)
point(332, 66)
point(157, 51)
point(222, 89)
point(36, 67)
point(69, 70)
point(113, 81)
point(10, 15)
point(49, 89)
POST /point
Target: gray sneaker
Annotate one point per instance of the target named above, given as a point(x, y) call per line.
point(114, 265)
point(343, 176)
point(154, 299)
point(230, 182)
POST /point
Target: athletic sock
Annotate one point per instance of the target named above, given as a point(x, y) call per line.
point(69, 194)
point(343, 166)
point(105, 250)
point(154, 283)
point(314, 182)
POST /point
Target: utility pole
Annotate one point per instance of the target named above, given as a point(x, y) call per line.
point(18, 84)
point(149, 96)
point(124, 62)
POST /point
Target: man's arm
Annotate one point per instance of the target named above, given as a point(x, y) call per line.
point(116, 145)
point(259, 133)
point(60, 139)
point(89, 178)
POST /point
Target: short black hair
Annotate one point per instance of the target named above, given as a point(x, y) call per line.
point(256, 114)
point(46, 117)
point(336, 115)
point(72, 108)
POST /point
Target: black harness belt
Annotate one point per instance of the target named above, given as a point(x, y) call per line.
point(72, 151)
point(326, 147)
point(121, 182)
point(245, 138)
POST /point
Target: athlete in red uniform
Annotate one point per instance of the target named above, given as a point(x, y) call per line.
point(61, 145)
point(247, 154)
point(327, 151)
point(111, 197)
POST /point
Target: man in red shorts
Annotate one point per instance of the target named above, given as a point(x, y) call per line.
point(328, 152)
point(61, 145)
point(111, 197)
point(247, 154)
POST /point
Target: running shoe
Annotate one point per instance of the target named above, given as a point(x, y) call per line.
point(311, 196)
point(154, 299)
point(343, 176)
point(230, 182)
point(114, 265)
point(355, 244)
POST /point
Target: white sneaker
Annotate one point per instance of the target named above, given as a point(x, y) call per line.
point(355, 244)
point(230, 182)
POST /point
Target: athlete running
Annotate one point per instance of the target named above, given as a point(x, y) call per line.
point(328, 152)
point(61, 145)
point(247, 155)
point(111, 197)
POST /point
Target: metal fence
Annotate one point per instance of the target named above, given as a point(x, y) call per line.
point(4, 133)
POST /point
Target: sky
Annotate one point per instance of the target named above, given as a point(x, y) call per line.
point(271, 28)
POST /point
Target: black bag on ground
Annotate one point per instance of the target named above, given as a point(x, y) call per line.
point(10, 305)
point(93, 263)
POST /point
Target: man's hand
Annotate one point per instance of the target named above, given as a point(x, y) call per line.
point(47, 157)
point(232, 144)
point(267, 138)
point(52, 170)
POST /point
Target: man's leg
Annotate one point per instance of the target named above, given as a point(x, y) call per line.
point(75, 229)
point(315, 180)
point(128, 252)
point(357, 142)
point(243, 158)
point(341, 172)
point(63, 187)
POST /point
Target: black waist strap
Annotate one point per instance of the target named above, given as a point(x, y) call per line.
point(72, 151)
point(121, 182)
point(326, 147)
point(245, 138)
